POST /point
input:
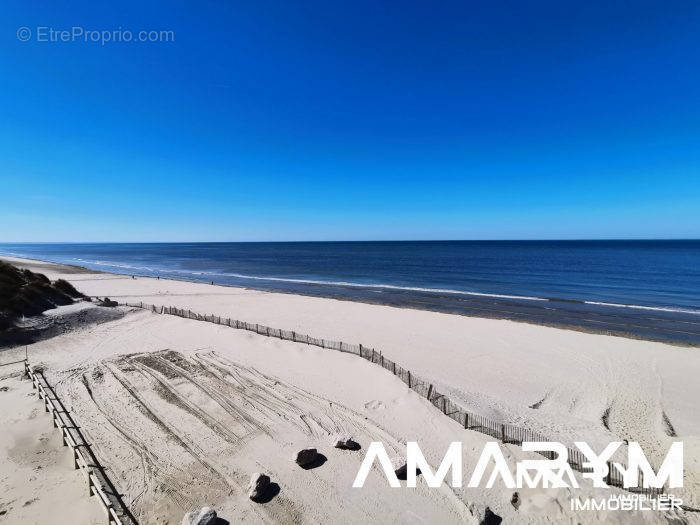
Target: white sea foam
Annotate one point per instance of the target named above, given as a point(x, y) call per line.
point(450, 291)
point(317, 282)
point(384, 287)
point(642, 307)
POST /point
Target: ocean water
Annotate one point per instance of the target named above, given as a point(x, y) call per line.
point(653, 278)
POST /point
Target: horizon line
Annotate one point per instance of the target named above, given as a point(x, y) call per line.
point(582, 239)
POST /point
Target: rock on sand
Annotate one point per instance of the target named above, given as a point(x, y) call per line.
point(306, 457)
point(204, 516)
point(259, 484)
point(345, 443)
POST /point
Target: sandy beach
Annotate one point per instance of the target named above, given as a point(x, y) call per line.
point(37, 482)
point(184, 411)
point(343, 263)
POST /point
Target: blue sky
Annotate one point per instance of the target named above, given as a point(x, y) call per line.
point(351, 120)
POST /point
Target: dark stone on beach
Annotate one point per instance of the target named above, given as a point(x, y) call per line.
point(515, 500)
point(258, 487)
point(204, 516)
point(306, 457)
point(401, 468)
point(401, 472)
point(345, 443)
point(491, 518)
point(108, 302)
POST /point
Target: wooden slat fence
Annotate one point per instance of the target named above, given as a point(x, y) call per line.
point(498, 430)
point(84, 458)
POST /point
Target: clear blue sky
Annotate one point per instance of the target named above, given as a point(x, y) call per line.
point(328, 120)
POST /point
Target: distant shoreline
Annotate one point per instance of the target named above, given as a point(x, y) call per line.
point(676, 328)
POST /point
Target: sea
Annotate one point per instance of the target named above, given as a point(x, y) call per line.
point(648, 289)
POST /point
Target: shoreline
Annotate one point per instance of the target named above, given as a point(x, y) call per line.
point(573, 314)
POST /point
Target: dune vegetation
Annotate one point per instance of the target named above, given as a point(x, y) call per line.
point(25, 293)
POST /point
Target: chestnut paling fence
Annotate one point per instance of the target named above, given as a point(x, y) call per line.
point(98, 482)
point(501, 431)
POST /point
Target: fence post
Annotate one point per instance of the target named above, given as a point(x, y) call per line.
point(430, 391)
point(503, 433)
point(294, 336)
point(466, 420)
point(409, 378)
point(360, 349)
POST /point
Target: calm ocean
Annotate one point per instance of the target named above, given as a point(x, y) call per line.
point(546, 281)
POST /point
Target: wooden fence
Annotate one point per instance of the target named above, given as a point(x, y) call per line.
point(501, 431)
point(83, 457)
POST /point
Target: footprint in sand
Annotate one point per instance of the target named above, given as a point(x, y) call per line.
point(375, 404)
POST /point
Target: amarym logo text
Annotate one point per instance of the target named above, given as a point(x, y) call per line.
point(546, 473)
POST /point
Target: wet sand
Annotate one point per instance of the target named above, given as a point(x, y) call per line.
point(652, 325)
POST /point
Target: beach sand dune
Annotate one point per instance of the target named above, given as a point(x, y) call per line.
point(185, 411)
point(185, 421)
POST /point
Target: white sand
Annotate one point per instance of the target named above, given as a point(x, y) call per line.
point(160, 426)
point(37, 482)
